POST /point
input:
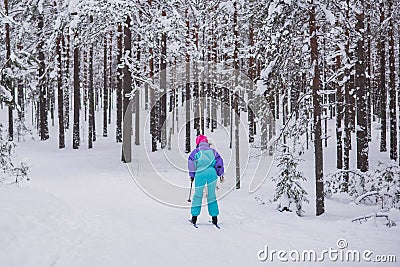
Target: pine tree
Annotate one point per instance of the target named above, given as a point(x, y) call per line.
point(347, 101)
point(44, 130)
point(368, 66)
point(153, 107)
point(77, 96)
point(187, 85)
point(382, 77)
point(8, 64)
point(392, 88)
point(163, 86)
point(398, 94)
point(339, 111)
point(288, 188)
point(66, 47)
point(251, 74)
point(137, 92)
point(236, 95)
point(119, 84)
point(60, 94)
point(360, 83)
point(127, 86)
point(105, 88)
point(110, 77)
point(91, 96)
point(318, 157)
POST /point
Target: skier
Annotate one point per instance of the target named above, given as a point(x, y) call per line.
point(205, 165)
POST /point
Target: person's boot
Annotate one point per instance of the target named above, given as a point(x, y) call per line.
point(194, 219)
point(215, 220)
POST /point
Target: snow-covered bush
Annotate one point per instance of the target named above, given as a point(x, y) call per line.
point(9, 171)
point(22, 130)
point(336, 182)
point(288, 189)
point(375, 187)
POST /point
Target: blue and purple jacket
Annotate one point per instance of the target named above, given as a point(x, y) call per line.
point(205, 160)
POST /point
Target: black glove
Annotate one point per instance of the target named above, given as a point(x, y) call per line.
point(192, 179)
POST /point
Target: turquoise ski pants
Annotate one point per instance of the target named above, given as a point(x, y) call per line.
point(208, 177)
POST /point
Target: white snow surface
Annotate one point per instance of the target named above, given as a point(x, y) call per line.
point(82, 208)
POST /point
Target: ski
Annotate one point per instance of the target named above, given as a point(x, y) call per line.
point(216, 225)
point(194, 225)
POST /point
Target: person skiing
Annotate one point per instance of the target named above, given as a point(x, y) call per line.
point(205, 165)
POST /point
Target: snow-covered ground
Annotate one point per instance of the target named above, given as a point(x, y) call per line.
point(84, 208)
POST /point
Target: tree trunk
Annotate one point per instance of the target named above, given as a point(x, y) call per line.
point(21, 100)
point(237, 94)
point(339, 112)
point(319, 176)
point(20, 96)
point(226, 98)
point(392, 88)
point(44, 129)
point(119, 85)
point(347, 107)
point(85, 83)
point(352, 100)
point(157, 92)
point(8, 64)
point(208, 87)
point(146, 91)
point(175, 97)
point(196, 88)
point(163, 87)
point(127, 125)
point(203, 89)
point(66, 47)
point(187, 87)
point(250, 112)
point(105, 88)
point(51, 96)
point(382, 78)
point(152, 95)
point(60, 94)
point(368, 66)
point(153, 109)
point(91, 96)
point(398, 94)
point(214, 94)
point(361, 94)
point(110, 77)
point(137, 93)
point(77, 97)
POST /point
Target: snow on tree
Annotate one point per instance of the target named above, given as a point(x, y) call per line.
point(288, 189)
point(10, 172)
point(380, 186)
point(361, 93)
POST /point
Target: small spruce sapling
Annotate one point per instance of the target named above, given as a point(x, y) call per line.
point(288, 189)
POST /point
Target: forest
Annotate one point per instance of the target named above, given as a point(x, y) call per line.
point(296, 74)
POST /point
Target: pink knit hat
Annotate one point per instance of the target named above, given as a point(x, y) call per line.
point(201, 138)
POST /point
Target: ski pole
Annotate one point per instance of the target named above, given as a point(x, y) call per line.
point(190, 192)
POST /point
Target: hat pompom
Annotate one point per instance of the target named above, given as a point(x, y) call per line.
point(201, 138)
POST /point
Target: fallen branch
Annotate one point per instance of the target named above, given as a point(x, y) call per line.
point(389, 223)
point(368, 194)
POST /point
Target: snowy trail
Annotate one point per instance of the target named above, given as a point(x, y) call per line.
point(82, 208)
point(121, 225)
